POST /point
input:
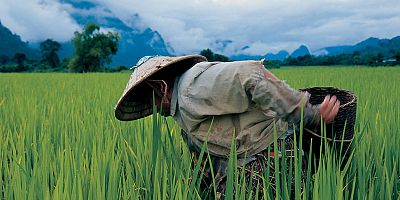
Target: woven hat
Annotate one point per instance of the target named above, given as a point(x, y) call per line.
point(136, 100)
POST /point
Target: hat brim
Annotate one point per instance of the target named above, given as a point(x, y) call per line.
point(136, 101)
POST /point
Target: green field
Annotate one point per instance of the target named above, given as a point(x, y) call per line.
point(59, 140)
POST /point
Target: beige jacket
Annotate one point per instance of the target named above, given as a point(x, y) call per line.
point(220, 100)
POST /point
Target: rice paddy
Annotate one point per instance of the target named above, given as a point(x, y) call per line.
point(59, 139)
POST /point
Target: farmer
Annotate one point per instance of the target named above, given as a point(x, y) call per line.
point(216, 101)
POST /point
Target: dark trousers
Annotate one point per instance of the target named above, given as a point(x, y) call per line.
point(259, 169)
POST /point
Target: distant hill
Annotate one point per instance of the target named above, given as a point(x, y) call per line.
point(245, 57)
point(11, 43)
point(301, 51)
point(386, 47)
point(138, 40)
point(373, 46)
point(281, 55)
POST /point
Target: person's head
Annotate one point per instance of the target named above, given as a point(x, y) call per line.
point(162, 94)
point(152, 75)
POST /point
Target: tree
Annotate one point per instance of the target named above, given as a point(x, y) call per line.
point(305, 60)
point(49, 50)
point(19, 59)
point(93, 49)
point(220, 57)
point(211, 56)
point(356, 58)
point(4, 59)
point(291, 61)
point(379, 58)
point(397, 56)
point(370, 59)
point(272, 63)
point(208, 54)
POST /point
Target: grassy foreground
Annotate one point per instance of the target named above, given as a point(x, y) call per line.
point(59, 140)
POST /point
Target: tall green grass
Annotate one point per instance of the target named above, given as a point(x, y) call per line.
point(59, 140)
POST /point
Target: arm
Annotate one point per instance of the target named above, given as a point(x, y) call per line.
point(271, 93)
point(277, 96)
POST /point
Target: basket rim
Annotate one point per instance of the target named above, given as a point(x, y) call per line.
point(335, 88)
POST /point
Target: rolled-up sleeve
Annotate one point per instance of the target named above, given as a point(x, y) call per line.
point(282, 99)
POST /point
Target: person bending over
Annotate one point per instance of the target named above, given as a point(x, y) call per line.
point(216, 101)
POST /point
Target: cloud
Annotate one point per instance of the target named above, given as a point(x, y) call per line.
point(36, 20)
point(180, 34)
point(263, 26)
point(192, 25)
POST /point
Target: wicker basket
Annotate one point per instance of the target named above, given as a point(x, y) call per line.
point(345, 118)
point(341, 131)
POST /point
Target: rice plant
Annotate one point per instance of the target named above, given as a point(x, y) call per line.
point(59, 140)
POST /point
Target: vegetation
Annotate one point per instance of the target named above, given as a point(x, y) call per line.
point(10, 44)
point(356, 58)
point(4, 59)
point(60, 140)
point(92, 49)
point(19, 59)
point(211, 56)
point(49, 50)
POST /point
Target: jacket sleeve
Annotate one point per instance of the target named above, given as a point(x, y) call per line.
point(279, 97)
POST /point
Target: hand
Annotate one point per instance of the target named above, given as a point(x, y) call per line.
point(329, 108)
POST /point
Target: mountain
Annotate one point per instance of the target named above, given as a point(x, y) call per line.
point(9, 39)
point(334, 50)
point(372, 45)
point(281, 55)
point(136, 41)
point(301, 51)
point(245, 57)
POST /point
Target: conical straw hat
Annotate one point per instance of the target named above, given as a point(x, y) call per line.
point(136, 100)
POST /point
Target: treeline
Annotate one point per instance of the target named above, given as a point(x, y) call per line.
point(356, 58)
point(211, 56)
point(93, 50)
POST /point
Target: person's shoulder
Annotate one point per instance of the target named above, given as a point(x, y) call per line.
point(242, 66)
point(205, 64)
point(230, 63)
point(242, 63)
point(245, 67)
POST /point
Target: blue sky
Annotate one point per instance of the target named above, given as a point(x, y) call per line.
point(191, 25)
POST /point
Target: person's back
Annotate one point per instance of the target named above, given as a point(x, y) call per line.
point(214, 101)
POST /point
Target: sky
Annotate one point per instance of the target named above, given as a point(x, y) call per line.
point(252, 27)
